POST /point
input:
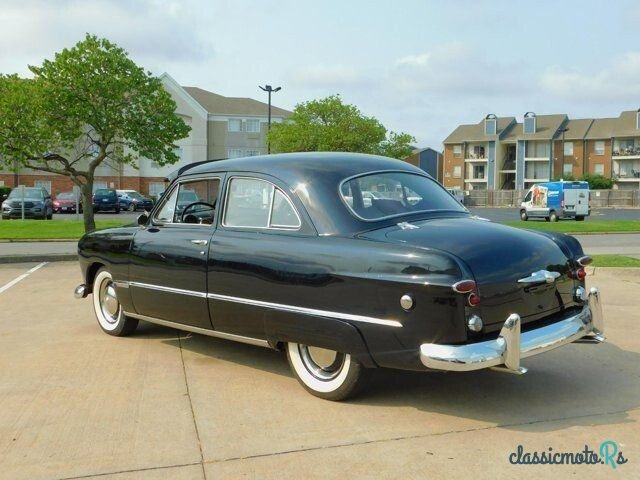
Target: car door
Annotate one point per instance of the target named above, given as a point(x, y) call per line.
point(168, 271)
point(250, 254)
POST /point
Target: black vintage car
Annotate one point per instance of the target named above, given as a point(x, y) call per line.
point(346, 262)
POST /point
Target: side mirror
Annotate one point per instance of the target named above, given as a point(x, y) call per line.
point(143, 219)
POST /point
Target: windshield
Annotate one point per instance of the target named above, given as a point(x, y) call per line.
point(388, 194)
point(28, 193)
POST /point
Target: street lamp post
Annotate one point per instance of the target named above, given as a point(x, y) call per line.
point(269, 89)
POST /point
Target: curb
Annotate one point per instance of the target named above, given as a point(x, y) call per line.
point(52, 257)
point(37, 240)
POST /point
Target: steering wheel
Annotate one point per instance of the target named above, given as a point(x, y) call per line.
point(187, 217)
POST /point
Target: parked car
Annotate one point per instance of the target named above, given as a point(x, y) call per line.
point(106, 199)
point(37, 204)
point(67, 202)
point(457, 194)
point(555, 200)
point(338, 285)
point(131, 200)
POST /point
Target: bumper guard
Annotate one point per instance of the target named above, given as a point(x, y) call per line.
point(505, 352)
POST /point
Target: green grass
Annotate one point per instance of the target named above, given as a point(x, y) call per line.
point(571, 226)
point(48, 229)
point(614, 261)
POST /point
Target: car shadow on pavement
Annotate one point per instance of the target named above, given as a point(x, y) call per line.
point(576, 384)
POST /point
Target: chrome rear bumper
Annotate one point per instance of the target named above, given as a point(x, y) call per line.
point(506, 351)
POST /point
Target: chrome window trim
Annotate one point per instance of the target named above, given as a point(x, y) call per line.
point(156, 221)
point(211, 333)
point(269, 226)
point(273, 306)
point(395, 215)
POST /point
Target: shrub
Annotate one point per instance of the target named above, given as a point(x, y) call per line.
point(598, 182)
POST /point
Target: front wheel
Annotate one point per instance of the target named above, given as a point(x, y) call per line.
point(325, 373)
point(523, 215)
point(553, 217)
point(107, 308)
point(131, 207)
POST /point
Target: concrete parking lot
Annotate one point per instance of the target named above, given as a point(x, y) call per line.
point(76, 403)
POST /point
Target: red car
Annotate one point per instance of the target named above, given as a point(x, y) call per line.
point(67, 202)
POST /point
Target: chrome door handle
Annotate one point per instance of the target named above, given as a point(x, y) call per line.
point(540, 276)
point(199, 242)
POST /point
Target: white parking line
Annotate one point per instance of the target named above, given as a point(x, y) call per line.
point(21, 277)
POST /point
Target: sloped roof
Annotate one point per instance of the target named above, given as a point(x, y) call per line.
point(475, 132)
point(577, 129)
point(221, 105)
point(546, 127)
point(626, 125)
point(602, 128)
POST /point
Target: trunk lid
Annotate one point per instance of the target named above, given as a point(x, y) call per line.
point(498, 256)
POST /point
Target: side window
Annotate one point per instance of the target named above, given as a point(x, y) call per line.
point(527, 198)
point(190, 202)
point(258, 204)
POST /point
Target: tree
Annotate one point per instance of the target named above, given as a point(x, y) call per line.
point(597, 181)
point(330, 125)
point(90, 104)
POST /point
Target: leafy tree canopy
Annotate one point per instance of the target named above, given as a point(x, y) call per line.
point(89, 104)
point(330, 125)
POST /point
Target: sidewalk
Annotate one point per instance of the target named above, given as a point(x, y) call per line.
point(13, 252)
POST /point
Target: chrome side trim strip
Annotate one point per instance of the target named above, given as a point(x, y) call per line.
point(274, 306)
point(168, 289)
point(203, 331)
point(306, 311)
point(121, 283)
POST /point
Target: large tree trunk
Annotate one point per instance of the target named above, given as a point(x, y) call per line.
point(87, 205)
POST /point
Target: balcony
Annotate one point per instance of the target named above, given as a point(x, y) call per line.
point(626, 149)
point(476, 153)
point(628, 169)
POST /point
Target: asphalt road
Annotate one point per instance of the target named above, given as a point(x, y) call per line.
point(77, 403)
point(600, 215)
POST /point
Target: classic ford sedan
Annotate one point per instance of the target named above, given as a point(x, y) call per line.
point(346, 262)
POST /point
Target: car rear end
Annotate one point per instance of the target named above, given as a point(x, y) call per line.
point(106, 199)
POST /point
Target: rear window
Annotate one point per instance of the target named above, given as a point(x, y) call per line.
point(104, 192)
point(387, 194)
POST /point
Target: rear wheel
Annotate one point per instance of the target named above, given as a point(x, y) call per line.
point(131, 207)
point(523, 215)
point(325, 373)
point(553, 217)
point(118, 210)
point(107, 308)
point(579, 219)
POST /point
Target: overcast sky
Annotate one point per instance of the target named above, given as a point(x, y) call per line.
point(422, 67)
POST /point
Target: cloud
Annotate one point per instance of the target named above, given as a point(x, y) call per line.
point(617, 80)
point(154, 31)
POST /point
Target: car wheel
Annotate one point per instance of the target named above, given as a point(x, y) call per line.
point(50, 216)
point(131, 207)
point(107, 308)
point(579, 219)
point(325, 373)
point(553, 217)
point(523, 215)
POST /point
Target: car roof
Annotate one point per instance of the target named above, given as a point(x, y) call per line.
point(314, 178)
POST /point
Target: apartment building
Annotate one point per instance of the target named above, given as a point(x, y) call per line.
point(427, 159)
point(221, 127)
point(500, 153)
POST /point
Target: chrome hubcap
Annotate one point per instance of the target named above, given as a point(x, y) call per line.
point(321, 363)
point(109, 302)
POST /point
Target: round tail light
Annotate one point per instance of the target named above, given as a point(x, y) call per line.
point(463, 286)
point(474, 299)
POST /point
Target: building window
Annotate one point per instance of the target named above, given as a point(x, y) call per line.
point(537, 149)
point(457, 171)
point(567, 169)
point(46, 184)
point(536, 171)
point(568, 149)
point(251, 153)
point(253, 126)
point(234, 125)
point(156, 189)
point(599, 168)
point(99, 185)
point(529, 123)
point(234, 153)
point(599, 147)
point(457, 150)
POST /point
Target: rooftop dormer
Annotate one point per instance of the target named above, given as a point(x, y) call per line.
point(529, 125)
point(490, 124)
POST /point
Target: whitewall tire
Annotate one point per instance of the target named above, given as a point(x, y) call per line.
point(325, 373)
point(107, 308)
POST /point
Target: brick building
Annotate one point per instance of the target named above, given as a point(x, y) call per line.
point(221, 127)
